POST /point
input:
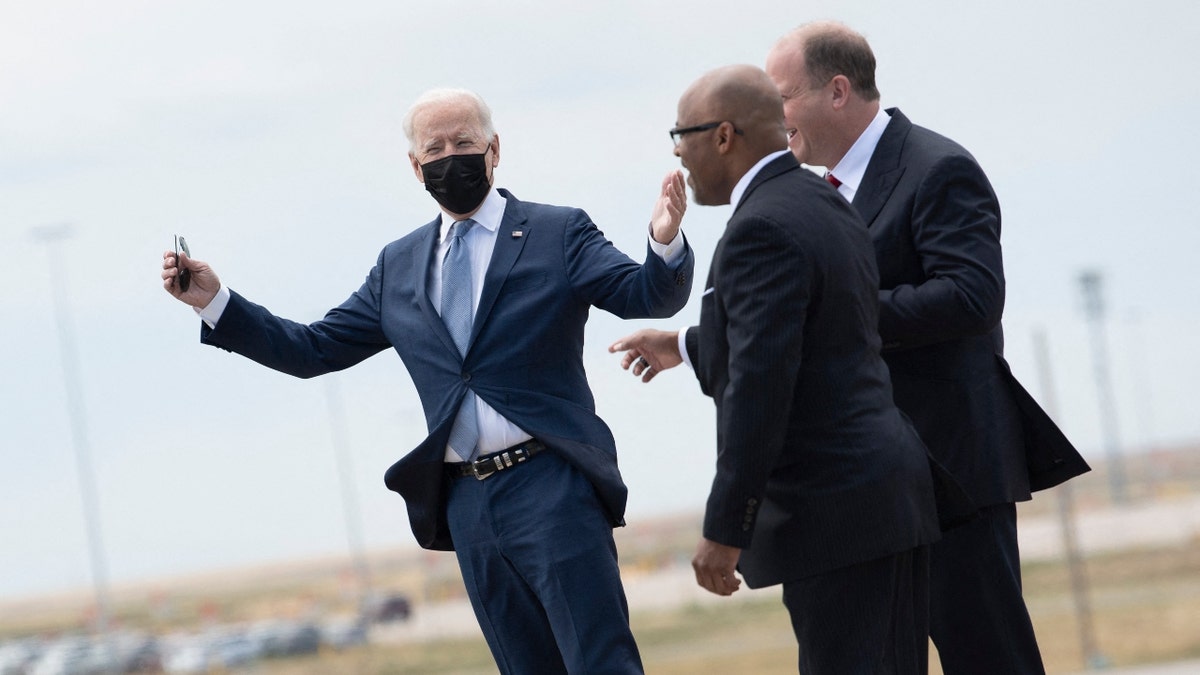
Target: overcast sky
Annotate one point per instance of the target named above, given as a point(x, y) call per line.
point(269, 134)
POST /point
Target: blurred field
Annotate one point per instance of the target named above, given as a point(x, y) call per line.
point(1145, 600)
point(1146, 604)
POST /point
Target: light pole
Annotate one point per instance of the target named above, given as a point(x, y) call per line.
point(51, 235)
point(1093, 658)
point(350, 507)
point(1093, 301)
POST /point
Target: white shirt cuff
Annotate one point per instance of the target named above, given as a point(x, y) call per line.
point(212, 312)
point(682, 336)
point(668, 252)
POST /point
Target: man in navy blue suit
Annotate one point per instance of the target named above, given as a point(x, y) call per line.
point(935, 225)
point(486, 306)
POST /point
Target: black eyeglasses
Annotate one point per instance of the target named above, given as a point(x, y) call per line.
point(677, 132)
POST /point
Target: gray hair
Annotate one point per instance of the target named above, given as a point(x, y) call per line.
point(449, 95)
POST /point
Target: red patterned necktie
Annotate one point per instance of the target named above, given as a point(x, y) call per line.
point(832, 180)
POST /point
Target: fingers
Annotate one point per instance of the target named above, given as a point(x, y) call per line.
point(716, 581)
point(715, 565)
point(635, 359)
point(668, 183)
point(676, 194)
point(637, 363)
point(648, 352)
point(643, 369)
point(623, 344)
point(170, 271)
point(679, 187)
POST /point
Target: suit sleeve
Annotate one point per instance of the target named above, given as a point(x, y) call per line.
point(760, 277)
point(955, 228)
point(607, 278)
point(347, 335)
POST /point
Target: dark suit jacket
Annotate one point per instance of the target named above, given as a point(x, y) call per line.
point(816, 468)
point(524, 358)
point(935, 223)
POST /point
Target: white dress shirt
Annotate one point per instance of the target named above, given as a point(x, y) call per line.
point(495, 431)
point(853, 165)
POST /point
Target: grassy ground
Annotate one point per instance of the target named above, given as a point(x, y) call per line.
point(1145, 604)
point(1146, 608)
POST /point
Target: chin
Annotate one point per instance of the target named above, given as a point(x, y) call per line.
point(799, 152)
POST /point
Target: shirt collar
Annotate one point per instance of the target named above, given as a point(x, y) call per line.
point(740, 188)
point(853, 166)
point(489, 215)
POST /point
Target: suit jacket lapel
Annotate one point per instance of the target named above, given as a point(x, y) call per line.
point(884, 170)
point(782, 164)
point(422, 262)
point(504, 255)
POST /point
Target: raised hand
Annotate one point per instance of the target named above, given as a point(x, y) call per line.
point(669, 208)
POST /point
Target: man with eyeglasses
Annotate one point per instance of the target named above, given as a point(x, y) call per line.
point(821, 484)
point(935, 224)
point(486, 305)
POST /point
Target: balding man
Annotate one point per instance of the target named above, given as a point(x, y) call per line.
point(821, 485)
point(486, 305)
point(935, 224)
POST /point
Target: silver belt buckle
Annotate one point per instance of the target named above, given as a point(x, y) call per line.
point(475, 471)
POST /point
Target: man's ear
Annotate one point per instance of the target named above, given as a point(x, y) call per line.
point(416, 166)
point(842, 89)
point(724, 137)
point(495, 150)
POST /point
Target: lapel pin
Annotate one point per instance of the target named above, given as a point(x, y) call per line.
point(517, 234)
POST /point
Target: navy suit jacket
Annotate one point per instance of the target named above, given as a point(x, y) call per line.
point(816, 467)
point(935, 224)
point(550, 266)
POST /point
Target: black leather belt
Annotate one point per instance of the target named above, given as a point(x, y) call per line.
point(496, 462)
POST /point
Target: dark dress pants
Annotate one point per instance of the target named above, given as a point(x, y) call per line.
point(866, 619)
point(537, 556)
point(978, 619)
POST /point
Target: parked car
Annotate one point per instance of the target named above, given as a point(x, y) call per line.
point(290, 639)
point(387, 608)
point(17, 657)
point(344, 633)
point(68, 656)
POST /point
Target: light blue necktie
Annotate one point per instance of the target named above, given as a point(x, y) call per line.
point(456, 314)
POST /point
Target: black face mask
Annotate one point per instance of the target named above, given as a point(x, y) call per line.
point(458, 182)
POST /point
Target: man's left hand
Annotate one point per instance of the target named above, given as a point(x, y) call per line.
point(714, 565)
point(668, 210)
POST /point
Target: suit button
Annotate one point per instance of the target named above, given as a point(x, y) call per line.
point(749, 510)
point(752, 501)
point(466, 377)
point(746, 527)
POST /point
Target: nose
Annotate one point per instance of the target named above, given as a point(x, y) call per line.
point(676, 151)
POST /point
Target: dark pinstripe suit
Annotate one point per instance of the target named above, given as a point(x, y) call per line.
point(817, 470)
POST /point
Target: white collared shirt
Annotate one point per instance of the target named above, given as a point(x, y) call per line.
point(495, 431)
point(739, 189)
point(853, 165)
